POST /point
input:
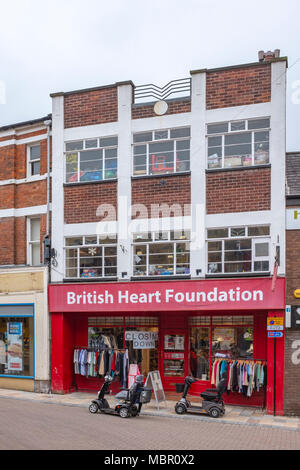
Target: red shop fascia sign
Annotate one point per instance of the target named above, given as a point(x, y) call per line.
point(206, 295)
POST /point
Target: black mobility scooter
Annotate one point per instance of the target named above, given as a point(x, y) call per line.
point(212, 403)
point(131, 400)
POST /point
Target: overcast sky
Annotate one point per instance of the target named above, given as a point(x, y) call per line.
point(64, 45)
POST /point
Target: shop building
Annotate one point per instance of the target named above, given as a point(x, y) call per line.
point(168, 214)
point(24, 222)
point(292, 332)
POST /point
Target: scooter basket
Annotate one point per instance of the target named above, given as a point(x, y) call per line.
point(146, 395)
point(179, 388)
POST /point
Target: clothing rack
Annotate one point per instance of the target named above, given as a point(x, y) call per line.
point(99, 349)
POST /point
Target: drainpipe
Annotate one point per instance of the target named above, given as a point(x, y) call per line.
point(48, 124)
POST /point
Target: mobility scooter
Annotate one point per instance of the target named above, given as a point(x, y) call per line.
point(212, 403)
point(131, 399)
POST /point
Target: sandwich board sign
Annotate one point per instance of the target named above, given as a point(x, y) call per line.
point(154, 381)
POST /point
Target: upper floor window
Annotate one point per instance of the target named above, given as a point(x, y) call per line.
point(34, 159)
point(90, 257)
point(91, 160)
point(238, 144)
point(162, 151)
point(34, 241)
point(161, 253)
point(238, 250)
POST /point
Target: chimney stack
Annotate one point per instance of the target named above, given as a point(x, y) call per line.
point(268, 56)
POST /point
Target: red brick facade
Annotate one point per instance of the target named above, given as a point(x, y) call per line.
point(174, 107)
point(87, 108)
point(238, 86)
point(13, 166)
point(82, 202)
point(172, 191)
point(238, 191)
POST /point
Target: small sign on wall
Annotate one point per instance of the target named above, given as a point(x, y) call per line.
point(293, 219)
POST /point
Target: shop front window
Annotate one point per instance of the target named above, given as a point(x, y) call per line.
point(199, 352)
point(142, 345)
point(137, 335)
point(16, 346)
point(232, 343)
point(223, 337)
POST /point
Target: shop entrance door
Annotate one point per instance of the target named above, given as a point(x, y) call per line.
point(173, 362)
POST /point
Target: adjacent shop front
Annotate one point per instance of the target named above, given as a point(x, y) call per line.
point(24, 329)
point(180, 328)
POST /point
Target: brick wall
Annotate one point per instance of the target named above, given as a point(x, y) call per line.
point(82, 201)
point(172, 190)
point(13, 159)
point(238, 191)
point(91, 107)
point(13, 230)
point(7, 162)
point(292, 372)
point(7, 234)
point(175, 107)
point(238, 86)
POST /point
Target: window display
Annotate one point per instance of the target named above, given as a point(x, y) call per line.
point(136, 335)
point(165, 254)
point(238, 149)
point(199, 352)
point(91, 160)
point(174, 355)
point(16, 346)
point(238, 255)
point(161, 152)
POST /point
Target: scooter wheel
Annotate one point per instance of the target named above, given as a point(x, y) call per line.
point(180, 409)
point(214, 412)
point(93, 408)
point(124, 413)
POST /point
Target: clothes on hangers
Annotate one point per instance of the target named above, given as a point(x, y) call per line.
point(243, 376)
point(94, 363)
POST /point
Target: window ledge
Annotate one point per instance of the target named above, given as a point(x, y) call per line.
point(165, 175)
point(238, 168)
point(233, 275)
point(89, 279)
point(159, 278)
point(80, 183)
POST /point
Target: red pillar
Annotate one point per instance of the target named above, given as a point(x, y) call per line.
point(62, 346)
point(274, 395)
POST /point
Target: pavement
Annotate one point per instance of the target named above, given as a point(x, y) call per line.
point(233, 415)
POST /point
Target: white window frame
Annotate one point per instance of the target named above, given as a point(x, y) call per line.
point(230, 132)
point(254, 240)
point(29, 162)
point(30, 242)
point(85, 148)
point(90, 245)
point(168, 139)
point(155, 242)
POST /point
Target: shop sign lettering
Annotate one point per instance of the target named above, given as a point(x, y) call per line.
point(172, 295)
point(168, 296)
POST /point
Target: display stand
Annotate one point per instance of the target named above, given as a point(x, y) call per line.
point(154, 380)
